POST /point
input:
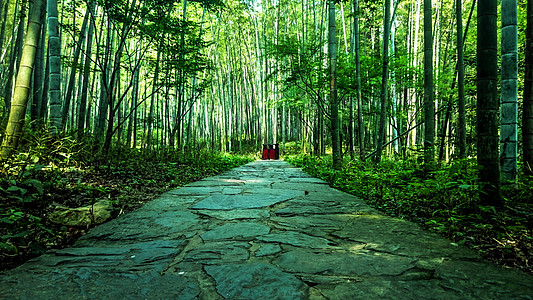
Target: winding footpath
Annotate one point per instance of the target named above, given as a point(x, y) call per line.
point(265, 230)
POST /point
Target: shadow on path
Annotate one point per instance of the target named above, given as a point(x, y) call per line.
point(265, 230)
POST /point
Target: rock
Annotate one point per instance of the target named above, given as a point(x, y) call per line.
point(219, 252)
point(87, 283)
point(385, 289)
point(152, 255)
point(268, 249)
point(242, 230)
point(256, 281)
point(296, 239)
point(82, 216)
point(396, 236)
point(227, 202)
point(361, 263)
point(142, 225)
point(236, 214)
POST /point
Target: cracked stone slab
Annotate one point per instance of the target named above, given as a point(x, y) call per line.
point(320, 225)
point(236, 214)
point(169, 202)
point(396, 236)
point(242, 230)
point(196, 190)
point(256, 281)
point(216, 181)
point(231, 191)
point(146, 225)
point(296, 239)
point(267, 249)
point(362, 263)
point(387, 289)
point(491, 281)
point(151, 255)
point(219, 252)
point(86, 283)
point(227, 202)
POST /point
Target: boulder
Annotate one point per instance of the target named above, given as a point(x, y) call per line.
point(82, 216)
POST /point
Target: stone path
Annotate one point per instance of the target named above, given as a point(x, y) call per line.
point(265, 230)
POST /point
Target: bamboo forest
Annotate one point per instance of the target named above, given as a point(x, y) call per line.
point(422, 108)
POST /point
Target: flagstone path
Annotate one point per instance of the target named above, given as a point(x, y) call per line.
point(265, 230)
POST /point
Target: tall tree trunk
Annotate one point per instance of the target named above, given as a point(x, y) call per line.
point(22, 86)
point(509, 90)
point(4, 8)
point(54, 48)
point(461, 126)
point(487, 103)
point(82, 112)
point(151, 120)
point(357, 45)
point(527, 118)
point(335, 138)
point(38, 75)
point(105, 89)
point(13, 62)
point(384, 83)
point(429, 102)
point(70, 88)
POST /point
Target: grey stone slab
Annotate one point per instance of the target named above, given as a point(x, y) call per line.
point(387, 289)
point(216, 181)
point(318, 225)
point(169, 201)
point(256, 281)
point(227, 202)
point(236, 214)
point(231, 191)
point(86, 283)
point(296, 239)
point(218, 252)
point(146, 225)
point(196, 190)
point(396, 236)
point(484, 280)
point(299, 180)
point(360, 263)
point(241, 230)
point(152, 255)
point(267, 249)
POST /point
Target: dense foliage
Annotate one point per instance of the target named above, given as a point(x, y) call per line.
point(63, 171)
point(445, 201)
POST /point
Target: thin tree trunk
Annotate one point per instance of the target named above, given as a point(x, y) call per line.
point(429, 102)
point(38, 75)
point(384, 83)
point(11, 71)
point(461, 81)
point(70, 88)
point(335, 138)
point(22, 85)
point(527, 118)
point(82, 113)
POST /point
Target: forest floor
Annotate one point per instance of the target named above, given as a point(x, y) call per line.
point(29, 192)
point(265, 230)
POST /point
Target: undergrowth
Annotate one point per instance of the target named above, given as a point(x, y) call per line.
point(445, 201)
point(66, 171)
